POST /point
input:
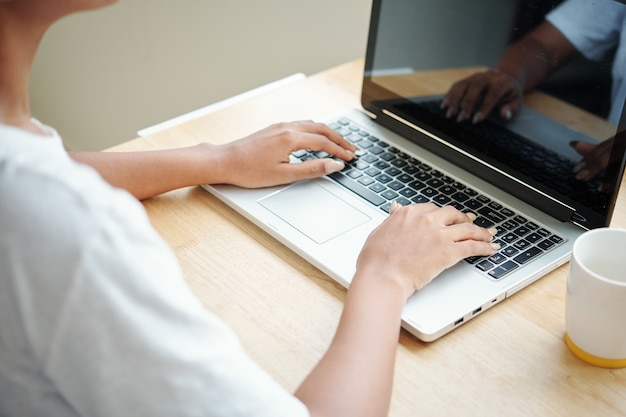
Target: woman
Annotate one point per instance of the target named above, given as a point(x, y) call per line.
point(95, 317)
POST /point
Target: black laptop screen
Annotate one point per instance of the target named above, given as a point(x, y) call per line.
point(428, 60)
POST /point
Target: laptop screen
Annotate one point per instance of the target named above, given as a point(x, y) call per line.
point(425, 57)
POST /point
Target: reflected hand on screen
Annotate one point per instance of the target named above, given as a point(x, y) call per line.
point(595, 158)
point(475, 97)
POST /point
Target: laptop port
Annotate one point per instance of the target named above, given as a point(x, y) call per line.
point(459, 321)
point(478, 310)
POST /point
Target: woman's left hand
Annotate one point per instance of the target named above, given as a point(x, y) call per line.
point(262, 159)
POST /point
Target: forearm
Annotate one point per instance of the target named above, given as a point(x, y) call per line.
point(534, 57)
point(259, 160)
point(146, 174)
point(354, 378)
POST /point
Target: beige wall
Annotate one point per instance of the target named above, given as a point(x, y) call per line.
point(101, 76)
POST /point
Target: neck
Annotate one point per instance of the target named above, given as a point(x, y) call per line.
point(19, 40)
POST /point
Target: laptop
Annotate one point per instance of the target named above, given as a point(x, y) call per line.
point(516, 177)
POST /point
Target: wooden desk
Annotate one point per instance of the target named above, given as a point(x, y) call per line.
point(510, 361)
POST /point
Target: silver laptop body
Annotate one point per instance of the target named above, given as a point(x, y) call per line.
point(327, 223)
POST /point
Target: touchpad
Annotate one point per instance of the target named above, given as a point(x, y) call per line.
point(314, 211)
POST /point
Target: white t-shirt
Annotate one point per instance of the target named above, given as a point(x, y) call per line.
point(95, 317)
point(594, 27)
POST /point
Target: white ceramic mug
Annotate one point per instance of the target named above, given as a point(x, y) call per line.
point(595, 313)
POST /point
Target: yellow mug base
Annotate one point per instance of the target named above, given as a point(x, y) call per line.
point(593, 360)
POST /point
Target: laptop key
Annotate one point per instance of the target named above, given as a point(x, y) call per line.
point(354, 174)
point(483, 222)
point(533, 237)
point(408, 193)
point(484, 265)
point(473, 204)
point(546, 244)
point(441, 199)
point(387, 156)
point(384, 178)
point(404, 178)
point(403, 201)
point(395, 185)
point(460, 197)
point(556, 239)
point(497, 258)
point(389, 195)
point(510, 251)
point(377, 188)
point(527, 255)
point(492, 215)
point(417, 185)
point(353, 186)
point(420, 199)
point(503, 269)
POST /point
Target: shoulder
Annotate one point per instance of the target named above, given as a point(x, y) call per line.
point(61, 224)
point(51, 203)
point(593, 27)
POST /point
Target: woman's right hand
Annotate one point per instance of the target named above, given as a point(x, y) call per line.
point(417, 242)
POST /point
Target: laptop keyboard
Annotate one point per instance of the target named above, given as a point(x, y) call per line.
point(504, 145)
point(382, 174)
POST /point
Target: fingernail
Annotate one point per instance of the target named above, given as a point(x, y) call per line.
point(394, 206)
point(495, 246)
point(508, 114)
point(478, 117)
point(471, 216)
point(334, 166)
point(351, 155)
point(493, 231)
point(449, 113)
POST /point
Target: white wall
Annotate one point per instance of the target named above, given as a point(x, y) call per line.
point(101, 76)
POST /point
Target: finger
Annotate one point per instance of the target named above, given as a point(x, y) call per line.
point(491, 99)
point(594, 160)
point(395, 206)
point(420, 208)
point(324, 130)
point(510, 108)
point(594, 166)
point(449, 215)
point(506, 113)
point(472, 240)
point(319, 142)
point(453, 98)
point(470, 100)
point(467, 248)
point(470, 231)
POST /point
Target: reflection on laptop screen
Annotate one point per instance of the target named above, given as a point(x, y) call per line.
point(424, 47)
